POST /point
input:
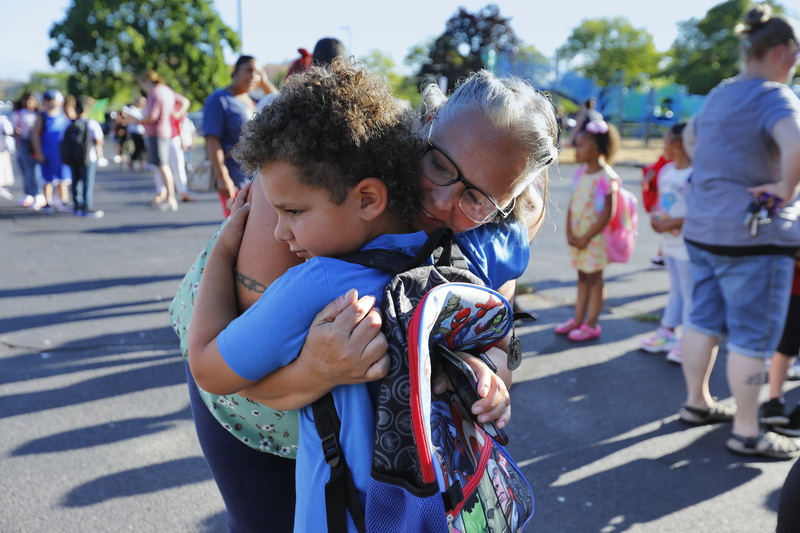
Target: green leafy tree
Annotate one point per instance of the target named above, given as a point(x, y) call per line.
point(41, 81)
point(104, 44)
point(707, 51)
point(404, 87)
point(611, 50)
point(468, 42)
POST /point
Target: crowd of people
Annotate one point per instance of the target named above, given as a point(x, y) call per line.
point(724, 202)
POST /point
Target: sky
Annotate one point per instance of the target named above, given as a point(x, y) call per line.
point(273, 30)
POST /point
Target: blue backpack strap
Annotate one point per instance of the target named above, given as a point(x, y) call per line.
point(340, 491)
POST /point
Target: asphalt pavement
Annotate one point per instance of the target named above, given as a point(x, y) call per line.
point(97, 434)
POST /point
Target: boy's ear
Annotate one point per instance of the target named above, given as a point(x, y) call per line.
point(372, 197)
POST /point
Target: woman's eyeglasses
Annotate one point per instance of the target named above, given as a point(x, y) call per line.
point(473, 202)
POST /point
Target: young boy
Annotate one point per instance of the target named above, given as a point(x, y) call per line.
point(339, 162)
point(83, 175)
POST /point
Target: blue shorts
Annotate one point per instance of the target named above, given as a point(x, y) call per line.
point(54, 172)
point(743, 298)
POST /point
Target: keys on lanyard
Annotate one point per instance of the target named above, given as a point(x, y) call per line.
point(760, 211)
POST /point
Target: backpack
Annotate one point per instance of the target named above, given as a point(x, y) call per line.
point(650, 188)
point(621, 230)
point(76, 144)
point(433, 466)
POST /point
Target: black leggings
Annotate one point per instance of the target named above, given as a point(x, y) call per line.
point(258, 487)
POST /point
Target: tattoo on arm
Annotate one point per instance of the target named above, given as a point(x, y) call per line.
point(249, 283)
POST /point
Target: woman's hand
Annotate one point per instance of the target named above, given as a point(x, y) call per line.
point(345, 344)
point(230, 236)
point(495, 403)
point(777, 192)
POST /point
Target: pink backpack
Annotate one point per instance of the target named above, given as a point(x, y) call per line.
point(622, 228)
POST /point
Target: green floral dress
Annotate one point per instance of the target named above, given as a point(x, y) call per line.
point(256, 425)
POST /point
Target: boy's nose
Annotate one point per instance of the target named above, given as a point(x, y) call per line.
point(281, 233)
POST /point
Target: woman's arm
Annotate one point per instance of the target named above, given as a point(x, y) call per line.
point(36, 139)
point(265, 83)
point(344, 346)
point(262, 259)
point(214, 309)
point(786, 133)
point(216, 156)
point(184, 108)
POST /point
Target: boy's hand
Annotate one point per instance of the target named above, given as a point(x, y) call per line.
point(495, 403)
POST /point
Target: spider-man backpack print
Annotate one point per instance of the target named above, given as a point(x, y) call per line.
point(434, 468)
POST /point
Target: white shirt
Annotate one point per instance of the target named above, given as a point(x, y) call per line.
point(672, 204)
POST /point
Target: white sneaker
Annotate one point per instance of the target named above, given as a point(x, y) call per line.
point(26, 201)
point(674, 355)
point(5, 193)
point(661, 340)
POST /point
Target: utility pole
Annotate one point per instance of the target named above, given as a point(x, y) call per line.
point(239, 20)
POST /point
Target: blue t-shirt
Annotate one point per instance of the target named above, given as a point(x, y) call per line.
point(272, 332)
point(223, 117)
point(497, 253)
point(53, 130)
point(735, 151)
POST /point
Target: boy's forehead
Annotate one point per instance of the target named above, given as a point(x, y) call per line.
point(281, 181)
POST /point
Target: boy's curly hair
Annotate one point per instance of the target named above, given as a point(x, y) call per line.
point(338, 124)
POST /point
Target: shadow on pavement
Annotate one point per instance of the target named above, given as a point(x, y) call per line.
point(89, 436)
point(144, 480)
point(166, 374)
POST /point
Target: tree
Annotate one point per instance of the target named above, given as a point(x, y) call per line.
point(403, 86)
point(466, 44)
point(104, 44)
point(41, 81)
point(707, 51)
point(608, 48)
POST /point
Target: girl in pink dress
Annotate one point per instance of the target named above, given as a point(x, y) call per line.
point(590, 210)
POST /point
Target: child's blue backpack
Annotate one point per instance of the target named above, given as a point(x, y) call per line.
point(434, 468)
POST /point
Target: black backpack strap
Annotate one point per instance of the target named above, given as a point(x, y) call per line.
point(340, 491)
point(439, 245)
point(381, 259)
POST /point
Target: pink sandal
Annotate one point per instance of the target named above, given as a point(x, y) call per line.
point(566, 327)
point(584, 333)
